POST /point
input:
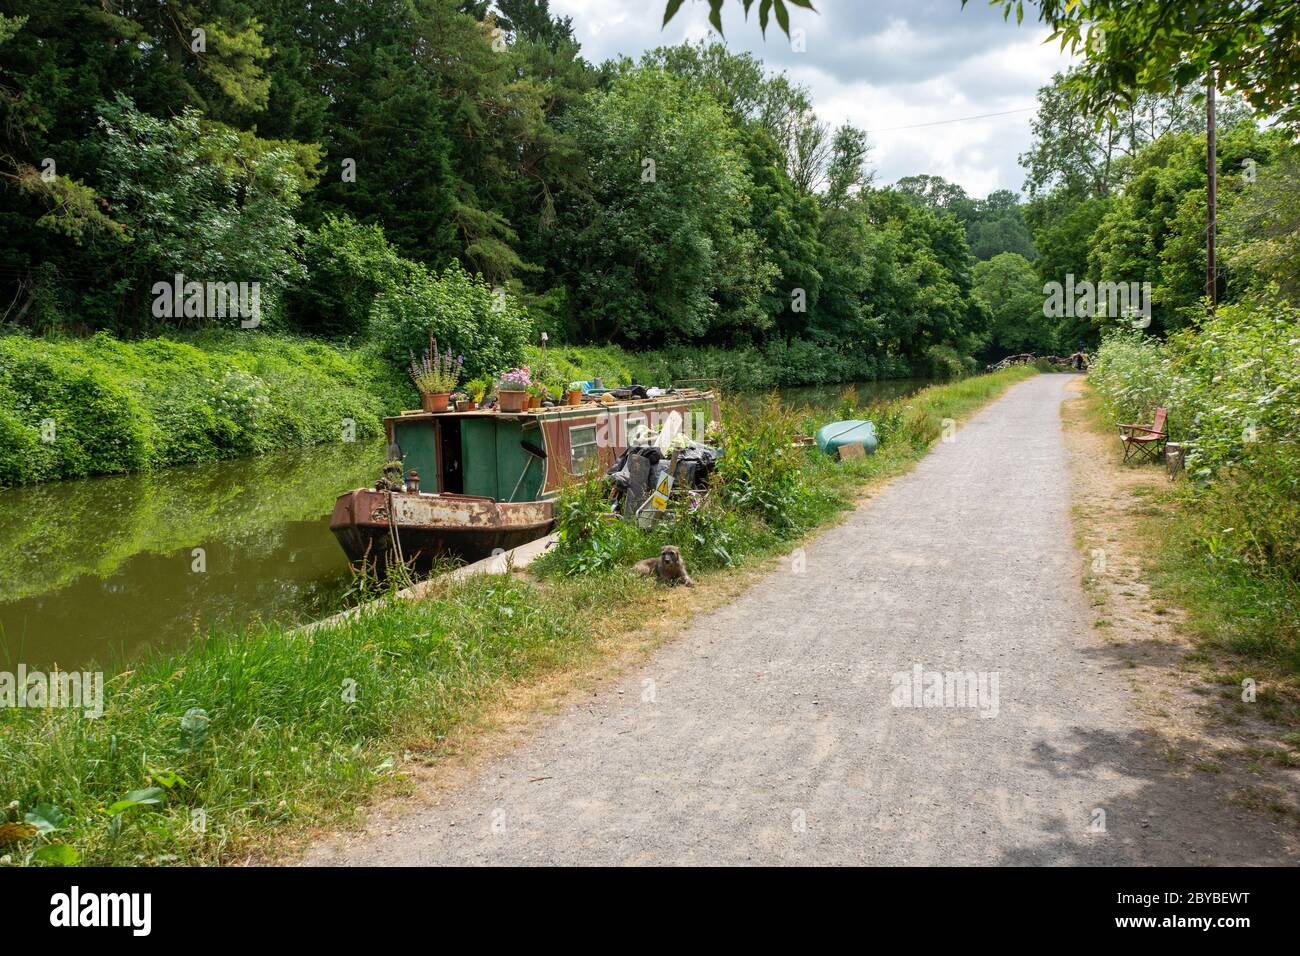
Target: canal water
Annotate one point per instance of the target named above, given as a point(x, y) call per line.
point(104, 569)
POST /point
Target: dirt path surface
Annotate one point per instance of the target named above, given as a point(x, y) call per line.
point(770, 732)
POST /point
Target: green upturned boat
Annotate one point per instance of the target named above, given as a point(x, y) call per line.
point(831, 437)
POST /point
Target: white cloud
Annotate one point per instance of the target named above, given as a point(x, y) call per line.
point(879, 65)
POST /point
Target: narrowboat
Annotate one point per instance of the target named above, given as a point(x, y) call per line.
point(481, 482)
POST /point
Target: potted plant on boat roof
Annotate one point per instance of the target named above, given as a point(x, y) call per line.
point(574, 393)
point(536, 392)
point(475, 390)
point(512, 389)
point(435, 375)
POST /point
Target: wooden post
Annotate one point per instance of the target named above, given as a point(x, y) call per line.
point(1212, 190)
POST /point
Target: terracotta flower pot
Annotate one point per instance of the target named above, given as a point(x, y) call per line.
point(468, 405)
point(512, 401)
point(437, 402)
point(574, 398)
point(534, 401)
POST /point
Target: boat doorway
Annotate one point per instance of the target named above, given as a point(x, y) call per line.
point(451, 479)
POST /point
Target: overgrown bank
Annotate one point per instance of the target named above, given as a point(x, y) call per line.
point(202, 756)
point(76, 407)
point(1232, 387)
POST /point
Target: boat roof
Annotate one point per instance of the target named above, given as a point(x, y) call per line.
point(675, 397)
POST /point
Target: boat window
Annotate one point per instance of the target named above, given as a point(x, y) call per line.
point(582, 448)
point(638, 432)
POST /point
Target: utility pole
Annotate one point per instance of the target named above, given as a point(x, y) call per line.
point(1212, 187)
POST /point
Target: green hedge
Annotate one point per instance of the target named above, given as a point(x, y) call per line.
point(1231, 383)
point(71, 408)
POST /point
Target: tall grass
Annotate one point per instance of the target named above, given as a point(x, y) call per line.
point(203, 755)
point(245, 731)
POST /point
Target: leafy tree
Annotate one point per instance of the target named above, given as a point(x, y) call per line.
point(936, 193)
point(1063, 243)
point(846, 172)
point(994, 236)
point(1127, 246)
point(1261, 230)
point(60, 62)
point(788, 224)
point(901, 277)
point(1155, 230)
point(993, 225)
point(196, 198)
point(998, 225)
point(464, 313)
point(1009, 290)
point(9, 27)
point(754, 97)
point(531, 20)
point(764, 109)
point(348, 264)
point(433, 127)
point(1089, 153)
point(658, 245)
point(810, 151)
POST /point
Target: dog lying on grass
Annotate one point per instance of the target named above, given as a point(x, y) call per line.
point(668, 568)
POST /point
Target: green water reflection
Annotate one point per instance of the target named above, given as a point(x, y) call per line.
point(103, 568)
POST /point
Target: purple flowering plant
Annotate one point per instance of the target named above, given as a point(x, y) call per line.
point(515, 380)
point(436, 372)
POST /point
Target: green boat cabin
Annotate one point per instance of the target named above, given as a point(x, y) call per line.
point(485, 453)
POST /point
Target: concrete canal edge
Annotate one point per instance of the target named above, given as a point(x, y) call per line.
point(503, 563)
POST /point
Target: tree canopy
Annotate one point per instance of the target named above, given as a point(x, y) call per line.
point(367, 163)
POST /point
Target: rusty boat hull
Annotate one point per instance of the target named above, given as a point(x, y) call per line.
point(427, 527)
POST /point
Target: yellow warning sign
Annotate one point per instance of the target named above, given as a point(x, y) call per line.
point(659, 500)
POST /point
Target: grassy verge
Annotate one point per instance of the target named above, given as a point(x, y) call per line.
point(244, 740)
point(1249, 610)
point(1242, 615)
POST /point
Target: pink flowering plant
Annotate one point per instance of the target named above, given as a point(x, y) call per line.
point(516, 380)
point(436, 373)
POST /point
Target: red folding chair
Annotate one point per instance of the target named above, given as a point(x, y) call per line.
point(1143, 443)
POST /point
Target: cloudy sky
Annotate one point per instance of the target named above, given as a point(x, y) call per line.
point(879, 64)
